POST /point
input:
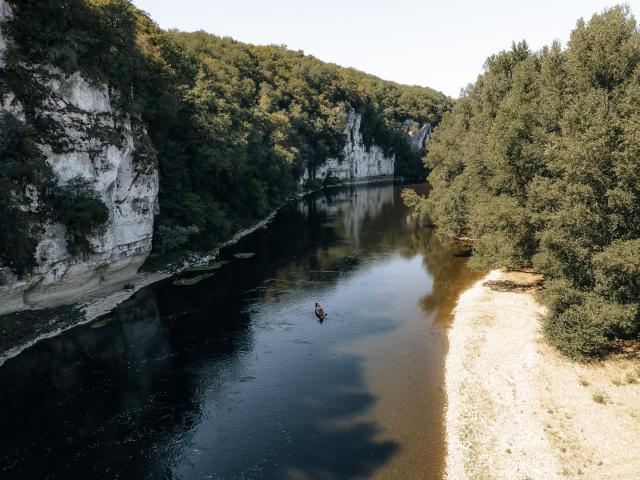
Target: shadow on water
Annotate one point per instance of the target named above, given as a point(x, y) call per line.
point(232, 377)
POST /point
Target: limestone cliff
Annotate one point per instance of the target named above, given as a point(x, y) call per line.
point(111, 150)
point(360, 164)
point(418, 135)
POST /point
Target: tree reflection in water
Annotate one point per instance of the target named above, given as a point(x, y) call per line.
point(233, 377)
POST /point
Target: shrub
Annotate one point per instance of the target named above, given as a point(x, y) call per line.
point(617, 271)
point(559, 294)
point(503, 232)
point(171, 237)
point(584, 330)
point(18, 240)
point(77, 206)
point(313, 184)
point(24, 176)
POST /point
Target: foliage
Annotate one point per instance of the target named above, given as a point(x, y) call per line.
point(29, 198)
point(24, 175)
point(169, 238)
point(617, 271)
point(234, 125)
point(97, 37)
point(538, 164)
point(77, 206)
point(583, 330)
point(415, 202)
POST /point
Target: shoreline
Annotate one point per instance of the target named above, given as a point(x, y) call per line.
point(516, 408)
point(103, 299)
point(99, 302)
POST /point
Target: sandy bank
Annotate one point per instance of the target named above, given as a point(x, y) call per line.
point(518, 410)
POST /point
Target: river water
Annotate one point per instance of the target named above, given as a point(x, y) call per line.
point(235, 377)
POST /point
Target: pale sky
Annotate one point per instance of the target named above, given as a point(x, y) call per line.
point(437, 43)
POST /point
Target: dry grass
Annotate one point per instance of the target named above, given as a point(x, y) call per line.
point(600, 397)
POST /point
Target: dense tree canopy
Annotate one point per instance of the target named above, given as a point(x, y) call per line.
point(539, 165)
point(234, 125)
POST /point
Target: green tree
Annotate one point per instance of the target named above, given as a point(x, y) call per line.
point(537, 164)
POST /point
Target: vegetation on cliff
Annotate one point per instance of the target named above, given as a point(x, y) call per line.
point(539, 165)
point(23, 171)
point(234, 125)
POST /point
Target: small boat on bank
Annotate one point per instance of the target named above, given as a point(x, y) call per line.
point(319, 312)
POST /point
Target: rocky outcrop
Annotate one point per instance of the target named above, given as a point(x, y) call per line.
point(418, 135)
point(362, 164)
point(95, 141)
point(358, 164)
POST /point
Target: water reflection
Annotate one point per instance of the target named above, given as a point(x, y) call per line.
point(235, 378)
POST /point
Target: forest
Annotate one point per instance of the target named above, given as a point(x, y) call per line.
point(538, 167)
point(232, 125)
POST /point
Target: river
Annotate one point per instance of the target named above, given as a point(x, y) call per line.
point(235, 377)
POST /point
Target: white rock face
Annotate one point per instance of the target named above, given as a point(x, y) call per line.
point(418, 135)
point(358, 165)
point(110, 150)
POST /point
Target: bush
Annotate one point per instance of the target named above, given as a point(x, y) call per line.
point(171, 237)
point(78, 208)
point(24, 177)
point(559, 294)
point(313, 184)
point(503, 233)
point(617, 271)
point(18, 240)
point(585, 330)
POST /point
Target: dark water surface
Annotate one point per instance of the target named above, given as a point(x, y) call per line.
point(235, 377)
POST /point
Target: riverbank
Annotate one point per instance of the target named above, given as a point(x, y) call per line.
point(346, 398)
point(517, 409)
point(55, 320)
point(100, 301)
point(23, 329)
